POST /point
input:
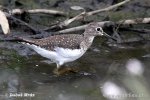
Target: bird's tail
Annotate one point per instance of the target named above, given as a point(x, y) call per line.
point(18, 39)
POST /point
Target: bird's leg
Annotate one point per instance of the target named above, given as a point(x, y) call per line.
point(60, 71)
point(56, 70)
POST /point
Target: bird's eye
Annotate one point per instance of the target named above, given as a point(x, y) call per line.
point(99, 29)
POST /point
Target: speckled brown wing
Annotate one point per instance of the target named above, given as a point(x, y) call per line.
point(71, 41)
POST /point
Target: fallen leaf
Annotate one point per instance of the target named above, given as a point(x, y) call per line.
point(4, 23)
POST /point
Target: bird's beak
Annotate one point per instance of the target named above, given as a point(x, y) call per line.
point(108, 36)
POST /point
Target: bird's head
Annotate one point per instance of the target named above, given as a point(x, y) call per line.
point(95, 29)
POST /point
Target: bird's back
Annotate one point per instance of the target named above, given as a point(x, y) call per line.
point(70, 41)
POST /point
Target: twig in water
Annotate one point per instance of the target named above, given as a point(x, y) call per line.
point(34, 11)
point(135, 21)
point(108, 8)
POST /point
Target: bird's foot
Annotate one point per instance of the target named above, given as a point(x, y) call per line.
point(66, 70)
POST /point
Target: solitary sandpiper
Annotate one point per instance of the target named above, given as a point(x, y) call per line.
point(65, 48)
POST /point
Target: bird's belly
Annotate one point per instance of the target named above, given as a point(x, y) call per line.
point(68, 55)
point(60, 54)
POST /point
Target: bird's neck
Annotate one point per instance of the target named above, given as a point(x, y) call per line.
point(87, 42)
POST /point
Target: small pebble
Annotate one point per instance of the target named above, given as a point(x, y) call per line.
point(36, 65)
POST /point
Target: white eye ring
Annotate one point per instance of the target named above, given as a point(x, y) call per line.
point(99, 29)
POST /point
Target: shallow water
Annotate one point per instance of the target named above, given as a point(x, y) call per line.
point(29, 74)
